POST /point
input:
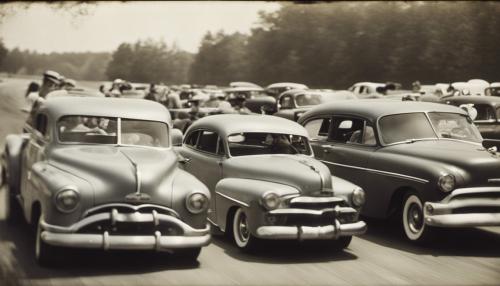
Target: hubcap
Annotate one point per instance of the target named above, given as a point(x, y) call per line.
point(243, 228)
point(415, 221)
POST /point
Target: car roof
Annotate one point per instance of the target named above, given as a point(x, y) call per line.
point(490, 100)
point(227, 124)
point(107, 107)
point(287, 84)
point(375, 108)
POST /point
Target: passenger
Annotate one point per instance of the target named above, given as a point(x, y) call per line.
point(281, 145)
point(152, 94)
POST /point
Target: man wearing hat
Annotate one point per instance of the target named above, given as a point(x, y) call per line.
point(51, 81)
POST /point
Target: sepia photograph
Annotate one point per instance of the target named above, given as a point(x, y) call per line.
point(249, 143)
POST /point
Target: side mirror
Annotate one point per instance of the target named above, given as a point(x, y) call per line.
point(176, 137)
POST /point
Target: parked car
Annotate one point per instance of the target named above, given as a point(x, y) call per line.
point(486, 111)
point(367, 89)
point(101, 173)
point(422, 161)
point(292, 104)
point(278, 88)
point(265, 183)
point(493, 89)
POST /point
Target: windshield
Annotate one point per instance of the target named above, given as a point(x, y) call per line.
point(244, 144)
point(415, 126)
point(308, 99)
point(455, 126)
point(104, 130)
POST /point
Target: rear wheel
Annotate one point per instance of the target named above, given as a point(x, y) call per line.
point(413, 220)
point(242, 236)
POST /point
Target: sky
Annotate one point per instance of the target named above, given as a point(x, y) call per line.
point(103, 27)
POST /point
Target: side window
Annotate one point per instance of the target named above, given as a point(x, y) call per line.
point(484, 112)
point(192, 138)
point(41, 124)
point(318, 128)
point(208, 141)
point(286, 102)
point(348, 130)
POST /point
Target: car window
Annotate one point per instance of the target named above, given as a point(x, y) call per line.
point(41, 123)
point(402, 127)
point(455, 126)
point(318, 128)
point(308, 99)
point(286, 102)
point(87, 129)
point(347, 130)
point(484, 112)
point(208, 141)
point(261, 143)
point(192, 138)
point(144, 133)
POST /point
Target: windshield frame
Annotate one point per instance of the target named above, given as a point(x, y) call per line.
point(118, 133)
point(229, 155)
point(426, 113)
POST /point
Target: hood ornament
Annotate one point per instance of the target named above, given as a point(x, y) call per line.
point(137, 196)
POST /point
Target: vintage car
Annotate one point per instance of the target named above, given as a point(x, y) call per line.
point(422, 161)
point(101, 173)
point(493, 89)
point(266, 184)
point(293, 103)
point(485, 113)
point(278, 88)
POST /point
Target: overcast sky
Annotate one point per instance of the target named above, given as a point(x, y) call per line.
point(44, 29)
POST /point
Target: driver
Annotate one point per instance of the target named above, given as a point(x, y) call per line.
point(280, 144)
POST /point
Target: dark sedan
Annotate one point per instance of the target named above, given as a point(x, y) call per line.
point(421, 161)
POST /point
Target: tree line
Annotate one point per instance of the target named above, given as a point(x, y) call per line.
point(321, 45)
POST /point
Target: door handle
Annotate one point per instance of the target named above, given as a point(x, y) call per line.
point(327, 148)
point(185, 160)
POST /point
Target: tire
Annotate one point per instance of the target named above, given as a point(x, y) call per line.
point(412, 220)
point(14, 213)
point(242, 236)
point(342, 242)
point(46, 255)
point(187, 254)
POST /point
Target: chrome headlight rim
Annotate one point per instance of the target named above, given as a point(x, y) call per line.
point(447, 182)
point(271, 201)
point(205, 204)
point(358, 197)
point(65, 190)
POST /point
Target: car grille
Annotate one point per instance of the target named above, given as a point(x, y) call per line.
point(128, 227)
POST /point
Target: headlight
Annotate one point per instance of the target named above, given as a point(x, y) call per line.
point(67, 200)
point(197, 203)
point(358, 197)
point(446, 183)
point(271, 201)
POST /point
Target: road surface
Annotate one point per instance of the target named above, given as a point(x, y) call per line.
point(380, 257)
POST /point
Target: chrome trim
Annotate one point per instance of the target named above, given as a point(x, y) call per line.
point(234, 200)
point(306, 199)
point(416, 179)
point(131, 207)
point(308, 232)
point(494, 180)
point(476, 190)
point(296, 211)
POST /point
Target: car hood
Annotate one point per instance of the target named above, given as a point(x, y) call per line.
point(468, 156)
point(111, 170)
point(301, 172)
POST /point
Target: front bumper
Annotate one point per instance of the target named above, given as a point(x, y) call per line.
point(341, 221)
point(75, 236)
point(467, 207)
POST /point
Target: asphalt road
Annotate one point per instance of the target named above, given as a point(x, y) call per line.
point(380, 257)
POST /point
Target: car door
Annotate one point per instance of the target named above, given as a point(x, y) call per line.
point(486, 121)
point(318, 129)
point(203, 153)
point(33, 153)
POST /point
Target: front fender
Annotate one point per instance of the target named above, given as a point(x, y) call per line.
point(245, 193)
point(343, 189)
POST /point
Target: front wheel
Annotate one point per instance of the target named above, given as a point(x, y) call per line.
point(241, 232)
point(413, 220)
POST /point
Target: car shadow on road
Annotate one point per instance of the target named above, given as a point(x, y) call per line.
point(77, 262)
point(446, 242)
point(284, 251)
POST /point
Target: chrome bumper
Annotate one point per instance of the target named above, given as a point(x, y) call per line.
point(450, 211)
point(310, 232)
point(70, 236)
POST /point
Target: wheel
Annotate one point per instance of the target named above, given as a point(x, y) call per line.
point(413, 220)
point(46, 255)
point(187, 254)
point(13, 210)
point(242, 236)
point(342, 242)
